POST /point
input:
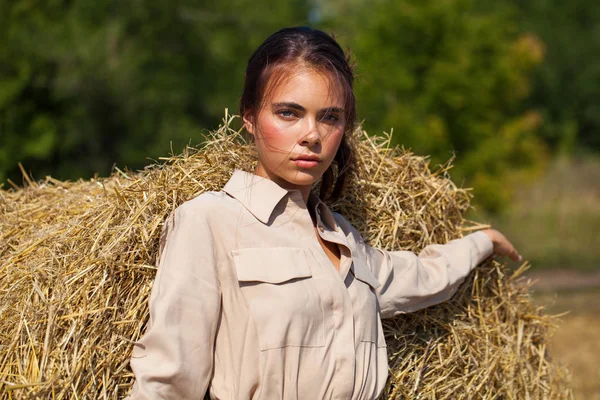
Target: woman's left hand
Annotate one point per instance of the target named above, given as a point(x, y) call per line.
point(502, 246)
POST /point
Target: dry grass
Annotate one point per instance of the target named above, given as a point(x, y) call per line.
point(77, 264)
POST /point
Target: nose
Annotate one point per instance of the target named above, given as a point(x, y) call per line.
point(312, 137)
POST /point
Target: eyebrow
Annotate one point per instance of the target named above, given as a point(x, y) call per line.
point(287, 104)
point(298, 107)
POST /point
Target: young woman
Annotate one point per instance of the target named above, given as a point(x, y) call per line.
point(262, 292)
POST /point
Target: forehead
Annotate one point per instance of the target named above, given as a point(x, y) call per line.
point(304, 85)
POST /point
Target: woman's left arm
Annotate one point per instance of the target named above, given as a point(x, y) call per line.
point(410, 282)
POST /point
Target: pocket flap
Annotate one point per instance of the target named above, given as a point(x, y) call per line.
point(271, 264)
point(363, 273)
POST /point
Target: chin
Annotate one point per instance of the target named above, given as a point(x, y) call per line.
point(301, 178)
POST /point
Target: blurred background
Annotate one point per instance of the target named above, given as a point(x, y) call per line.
point(510, 88)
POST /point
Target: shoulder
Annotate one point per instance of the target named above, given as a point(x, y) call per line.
point(209, 215)
point(208, 206)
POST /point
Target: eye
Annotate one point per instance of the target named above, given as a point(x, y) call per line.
point(286, 114)
point(330, 118)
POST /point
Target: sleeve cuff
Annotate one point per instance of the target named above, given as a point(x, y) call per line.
point(484, 247)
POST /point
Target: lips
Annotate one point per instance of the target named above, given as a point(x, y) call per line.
point(306, 161)
point(306, 157)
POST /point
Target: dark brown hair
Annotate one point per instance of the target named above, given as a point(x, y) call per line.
point(317, 50)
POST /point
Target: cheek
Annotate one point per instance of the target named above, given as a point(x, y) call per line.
point(269, 129)
point(274, 136)
point(334, 140)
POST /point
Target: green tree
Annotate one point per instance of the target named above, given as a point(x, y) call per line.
point(87, 84)
point(567, 85)
point(448, 78)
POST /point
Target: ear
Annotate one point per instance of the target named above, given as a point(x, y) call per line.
point(248, 123)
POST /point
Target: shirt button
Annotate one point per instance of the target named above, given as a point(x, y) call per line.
point(321, 228)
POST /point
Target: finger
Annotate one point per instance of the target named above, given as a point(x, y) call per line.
point(515, 256)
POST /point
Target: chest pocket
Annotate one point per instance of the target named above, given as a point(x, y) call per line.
point(370, 326)
point(282, 296)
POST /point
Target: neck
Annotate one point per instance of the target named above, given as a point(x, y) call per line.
point(305, 194)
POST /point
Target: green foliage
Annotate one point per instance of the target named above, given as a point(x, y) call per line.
point(449, 78)
point(85, 84)
point(566, 86)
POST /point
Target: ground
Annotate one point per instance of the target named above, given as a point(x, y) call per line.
point(577, 340)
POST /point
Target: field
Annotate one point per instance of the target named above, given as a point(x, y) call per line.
point(555, 220)
point(577, 340)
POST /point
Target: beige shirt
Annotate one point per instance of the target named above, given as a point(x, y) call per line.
point(246, 302)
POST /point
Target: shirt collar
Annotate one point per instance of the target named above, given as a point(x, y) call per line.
point(323, 212)
point(260, 196)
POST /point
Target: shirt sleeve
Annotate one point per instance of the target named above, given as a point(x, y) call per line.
point(410, 282)
point(174, 358)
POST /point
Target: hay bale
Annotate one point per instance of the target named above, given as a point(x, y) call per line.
point(77, 265)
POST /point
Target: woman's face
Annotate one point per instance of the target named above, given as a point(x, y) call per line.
point(298, 129)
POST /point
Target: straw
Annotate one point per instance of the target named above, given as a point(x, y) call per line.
point(77, 262)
